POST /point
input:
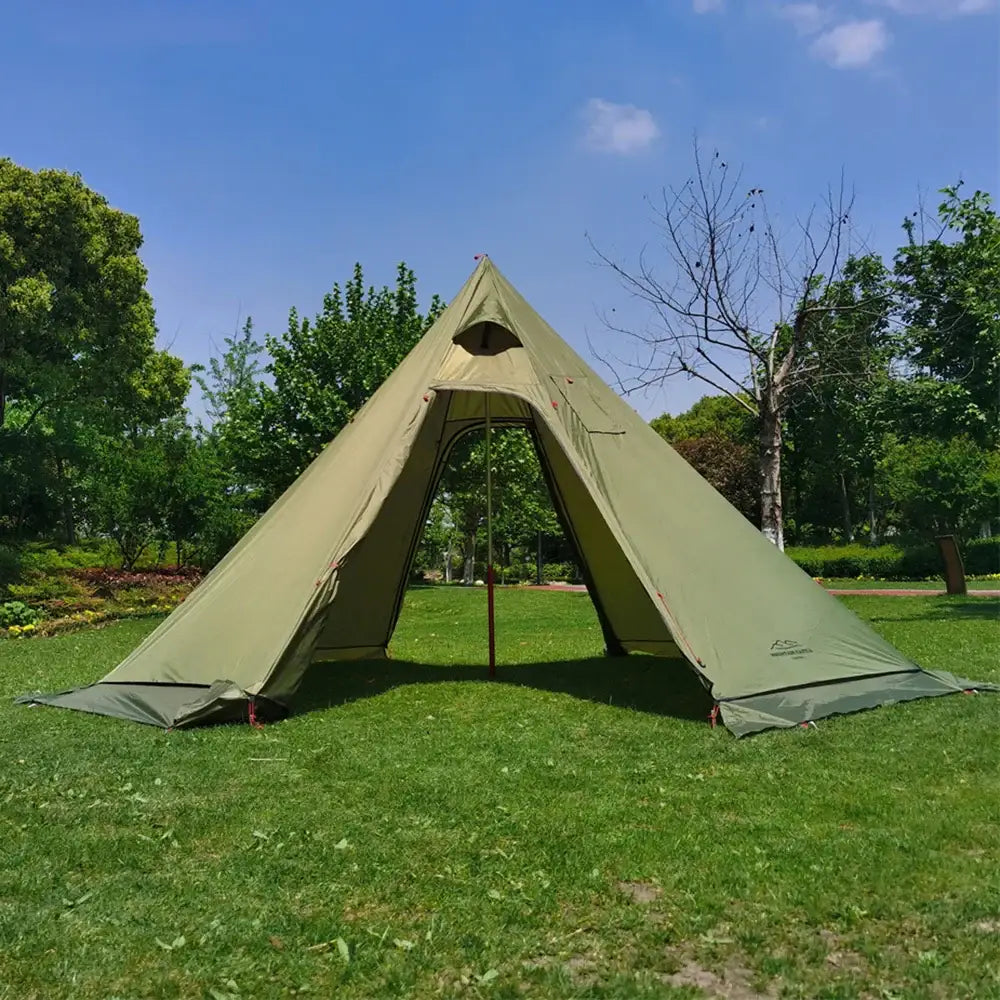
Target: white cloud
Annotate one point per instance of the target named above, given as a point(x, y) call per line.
point(851, 44)
point(806, 18)
point(618, 128)
point(939, 8)
point(706, 6)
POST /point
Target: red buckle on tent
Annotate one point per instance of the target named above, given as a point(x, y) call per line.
point(555, 405)
point(427, 398)
point(568, 379)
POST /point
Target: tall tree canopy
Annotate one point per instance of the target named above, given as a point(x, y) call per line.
point(320, 373)
point(950, 298)
point(76, 321)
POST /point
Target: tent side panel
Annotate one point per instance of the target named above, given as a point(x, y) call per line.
point(360, 613)
point(636, 622)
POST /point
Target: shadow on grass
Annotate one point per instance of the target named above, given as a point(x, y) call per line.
point(946, 609)
point(645, 683)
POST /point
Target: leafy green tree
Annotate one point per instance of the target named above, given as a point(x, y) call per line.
point(720, 416)
point(522, 507)
point(730, 466)
point(716, 437)
point(836, 426)
point(941, 485)
point(320, 374)
point(229, 382)
point(950, 291)
point(76, 321)
point(125, 490)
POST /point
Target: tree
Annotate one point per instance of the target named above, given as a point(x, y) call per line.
point(715, 437)
point(229, 382)
point(76, 321)
point(522, 507)
point(321, 372)
point(950, 290)
point(729, 466)
point(941, 485)
point(125, 492)
point(836, 425)
point(721, 416)
point(742, 308)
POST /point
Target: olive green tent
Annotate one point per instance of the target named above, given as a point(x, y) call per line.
point(671, 567)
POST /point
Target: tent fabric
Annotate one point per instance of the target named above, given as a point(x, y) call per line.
point(673, 569)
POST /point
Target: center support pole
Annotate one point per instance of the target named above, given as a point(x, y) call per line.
point(489, 540)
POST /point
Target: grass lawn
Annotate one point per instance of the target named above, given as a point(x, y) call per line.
point(572, 832)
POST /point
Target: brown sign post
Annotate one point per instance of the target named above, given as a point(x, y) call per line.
point(954, 570)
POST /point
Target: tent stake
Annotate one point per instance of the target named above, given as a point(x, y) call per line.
point(489, 541)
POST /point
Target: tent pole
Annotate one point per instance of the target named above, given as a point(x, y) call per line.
point(489, 540)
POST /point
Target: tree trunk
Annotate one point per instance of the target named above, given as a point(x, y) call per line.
point(447, 563)
point(538, 560)
point(986, 528)
point(3, 397)
point(845, 510)
point(873, 537)
point(469, 570)
point(69, 520)
point(769, 442)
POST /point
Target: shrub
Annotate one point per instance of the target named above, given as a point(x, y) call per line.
point(17, 613)
point(41, 557)
point(560, 572)
point(892, 562)
point(45, 588)
point(883, 561)
point(982, 556)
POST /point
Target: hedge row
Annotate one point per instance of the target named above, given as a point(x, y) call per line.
point(890, 562)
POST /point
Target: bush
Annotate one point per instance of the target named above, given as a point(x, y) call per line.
point(42, 557)
point(892, 562)
point(883, 561)
point(560, 573)
point(982, 556)
point(17, 613)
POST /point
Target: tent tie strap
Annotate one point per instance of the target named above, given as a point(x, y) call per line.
point(252, 715)
point(713, 716)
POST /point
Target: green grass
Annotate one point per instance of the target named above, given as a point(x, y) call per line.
point(438, 835)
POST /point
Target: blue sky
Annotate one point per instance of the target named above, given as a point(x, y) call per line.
point(265, 147)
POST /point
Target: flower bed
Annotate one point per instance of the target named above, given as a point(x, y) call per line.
point(78, 598)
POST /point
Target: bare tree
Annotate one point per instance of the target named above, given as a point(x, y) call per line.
point(739, 306)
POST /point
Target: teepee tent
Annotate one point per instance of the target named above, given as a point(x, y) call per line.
point(671, 567)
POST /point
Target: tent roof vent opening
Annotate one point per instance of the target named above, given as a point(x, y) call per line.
point(486, 338)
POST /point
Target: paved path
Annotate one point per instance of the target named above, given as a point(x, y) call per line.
point(837, 593)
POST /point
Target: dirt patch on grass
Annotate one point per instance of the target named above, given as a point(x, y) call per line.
point(640, 892)
point(582, 969)
point(987, 926)
point(734, 982)
point(849, 961)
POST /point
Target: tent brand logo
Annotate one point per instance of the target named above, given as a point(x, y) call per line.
point(789, 647)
